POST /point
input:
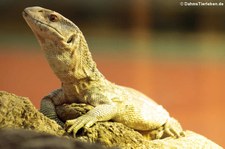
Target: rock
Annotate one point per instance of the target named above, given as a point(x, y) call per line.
point(18, 112)
point(113, 134)
point(190, 141)
point(24, 139)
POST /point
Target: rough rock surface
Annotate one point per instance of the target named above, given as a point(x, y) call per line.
point(18, 112)
point(24, 139)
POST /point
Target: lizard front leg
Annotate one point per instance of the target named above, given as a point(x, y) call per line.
point(101, 112)
point(48, 106)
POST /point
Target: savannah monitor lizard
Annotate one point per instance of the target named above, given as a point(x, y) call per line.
point(69, 57)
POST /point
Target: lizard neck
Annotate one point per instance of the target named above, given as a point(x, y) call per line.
point(78, 91)
point(71, 64)
point(85, 65)
point(74, 67)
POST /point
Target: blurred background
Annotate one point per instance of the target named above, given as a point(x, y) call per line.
point(172, 53)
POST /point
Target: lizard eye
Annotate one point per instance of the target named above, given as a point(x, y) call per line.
point(53, 18)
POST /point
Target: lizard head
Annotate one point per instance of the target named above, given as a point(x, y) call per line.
point(62, 42)
point(50, 27)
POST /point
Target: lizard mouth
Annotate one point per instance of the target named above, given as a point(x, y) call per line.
point(40, 24)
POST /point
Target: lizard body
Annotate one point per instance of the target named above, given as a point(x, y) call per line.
point(69, 57)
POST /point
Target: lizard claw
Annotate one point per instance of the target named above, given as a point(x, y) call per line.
point(74, 125)
point(173, 128)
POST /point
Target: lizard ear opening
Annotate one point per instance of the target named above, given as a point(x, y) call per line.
point(71, 39)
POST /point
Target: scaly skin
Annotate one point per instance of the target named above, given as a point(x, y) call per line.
point(69, 57)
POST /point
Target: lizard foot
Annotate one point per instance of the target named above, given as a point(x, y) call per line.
point(171, 128)
point(74, 125)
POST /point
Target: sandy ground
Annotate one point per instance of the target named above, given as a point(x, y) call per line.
point(192, 92)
